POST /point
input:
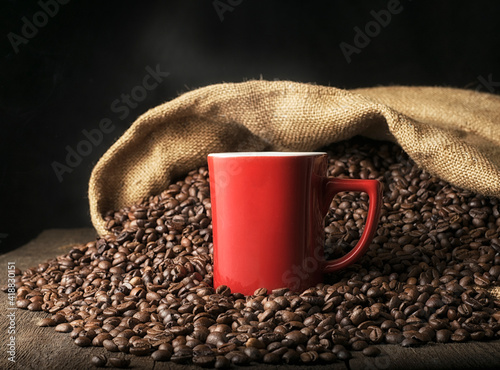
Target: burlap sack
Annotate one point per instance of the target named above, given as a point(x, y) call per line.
point(452, 133)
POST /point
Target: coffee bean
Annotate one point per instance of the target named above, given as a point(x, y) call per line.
point(46, 322)
point(216, 338)
point(109, 345)
point(180, 358)
point(76, 332)
point(83, 341)
point(309, 357)
point(477, 335)
point(119, 362)
point(376, 335)
point(99, 360)
point(296, 337)
point(58, 319)
point(460, 335)
point(359, 345)
point(239, 358)
point(254, 342)
point(204, 361)
point(253, 353)
point(223, 290)
point(22, 303)
point(291, 356)
point(140, 349)
point(371, 351)
point(409, 342)
point(99, 339)
point(374, 292)
point(161, 355)
point(64, 328)
point(327, 357)
point(358, 316)
point(271, 358)
point(34, 306)
point(146, 286)
point(221, 363)
point(260, 292)
point(337, 348)
point(344, 355)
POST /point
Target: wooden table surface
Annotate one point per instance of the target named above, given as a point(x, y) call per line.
point(43, 348)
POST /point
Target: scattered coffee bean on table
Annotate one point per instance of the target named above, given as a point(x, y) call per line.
point(46, 322)
point(99, 361)
point(146, 287)
point(120, 362)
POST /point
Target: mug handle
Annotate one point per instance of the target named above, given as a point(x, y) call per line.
point(374, 190)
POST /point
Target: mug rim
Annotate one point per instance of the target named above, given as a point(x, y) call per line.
point(264, 154)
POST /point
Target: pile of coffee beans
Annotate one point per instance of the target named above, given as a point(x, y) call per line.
point(146, 288)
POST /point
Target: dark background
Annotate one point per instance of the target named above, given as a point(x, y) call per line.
point(65, 78)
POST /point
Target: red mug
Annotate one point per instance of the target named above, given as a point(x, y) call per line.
point(268, 211)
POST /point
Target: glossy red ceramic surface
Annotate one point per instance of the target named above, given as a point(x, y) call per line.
point(268, 212)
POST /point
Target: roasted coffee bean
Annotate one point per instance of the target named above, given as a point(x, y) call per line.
point(146, 286)
point(140, 349)
point(254, 342)
point(100, 338)
point(409, 342)
point(216, 338)
point(99, 360)
point(327, 357)
point(204, 361)
point(376, 335)
point(337, 348)
point(64, 328)
point(271, 358)
point(119, 362)
point(253, 353)
point(35, 306)
point(46, 322)
point(83, 341)
point(309, 357)
point(161, 355)
point(343, 355)
point(238, 358)
point(58, 318)
point(222, 363)
point(180, 358)
point(260, 292)
point(371, 351)
point(281, 351)
point(291, 356)
point(359, 345)
point(460, 335)
point(23, 303)
point(296, 337)
point(109, 345)
point(76, 332)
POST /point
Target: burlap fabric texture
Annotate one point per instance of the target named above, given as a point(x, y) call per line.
point(452, 133)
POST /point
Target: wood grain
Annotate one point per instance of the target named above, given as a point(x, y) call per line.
point(42, 348)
